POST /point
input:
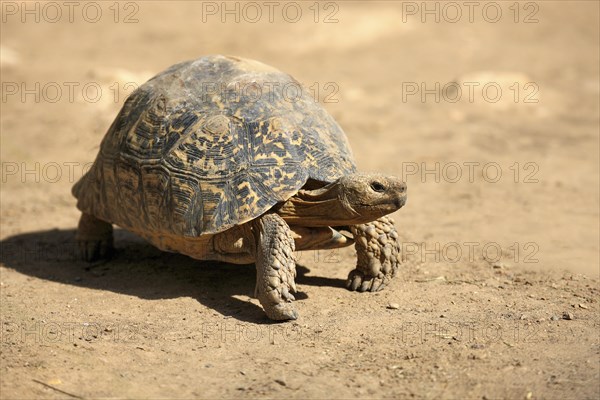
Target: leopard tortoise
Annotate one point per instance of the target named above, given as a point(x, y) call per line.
point(223, 158)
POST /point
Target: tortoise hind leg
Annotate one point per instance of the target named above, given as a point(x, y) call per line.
point(378, 253)
point(94, 238)
point(273, 248)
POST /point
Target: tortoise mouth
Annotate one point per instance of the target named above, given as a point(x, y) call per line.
point(395, 204)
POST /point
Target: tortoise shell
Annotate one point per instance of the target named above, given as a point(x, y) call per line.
point(209, 144)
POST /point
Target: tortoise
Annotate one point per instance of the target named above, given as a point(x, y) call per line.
point(219, 159)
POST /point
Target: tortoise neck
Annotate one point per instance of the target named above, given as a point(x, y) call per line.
point(325, 206)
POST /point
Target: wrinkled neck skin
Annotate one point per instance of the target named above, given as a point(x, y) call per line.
point(319, 207)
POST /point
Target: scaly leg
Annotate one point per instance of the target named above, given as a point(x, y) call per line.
point(378, 253)
point(94, 238)
point(275, 266)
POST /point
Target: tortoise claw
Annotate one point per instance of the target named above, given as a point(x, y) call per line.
point(95, 250)
point(360, 282)
point(281, 311)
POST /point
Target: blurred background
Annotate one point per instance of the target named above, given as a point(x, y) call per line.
point(489, 110)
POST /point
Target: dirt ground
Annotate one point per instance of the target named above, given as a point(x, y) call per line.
point(492, 119)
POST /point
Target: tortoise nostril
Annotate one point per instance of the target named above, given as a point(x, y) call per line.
point(402, 188)
point(377, 186)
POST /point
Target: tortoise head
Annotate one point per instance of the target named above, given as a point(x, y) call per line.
point(352, 199)
point(371, 195)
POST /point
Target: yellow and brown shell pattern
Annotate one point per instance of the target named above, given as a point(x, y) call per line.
point(210, 144)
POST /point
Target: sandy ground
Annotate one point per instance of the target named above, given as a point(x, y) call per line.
point(493, 123)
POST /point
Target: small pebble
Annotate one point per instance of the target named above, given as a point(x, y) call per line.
point(568, 316)
point(583, 306)
point(281, 382)
point(554, 318)
point(393, 306)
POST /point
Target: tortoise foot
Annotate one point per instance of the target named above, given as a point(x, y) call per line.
point(378, 253)
point(361, 282)
point(279, 307)
point(94, 239)
point(275, 267)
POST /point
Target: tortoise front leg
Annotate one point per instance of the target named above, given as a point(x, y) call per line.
point(378, 253)
point(275, 266)
point(94, 238)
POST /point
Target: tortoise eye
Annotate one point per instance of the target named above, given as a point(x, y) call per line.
point(378, 187)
